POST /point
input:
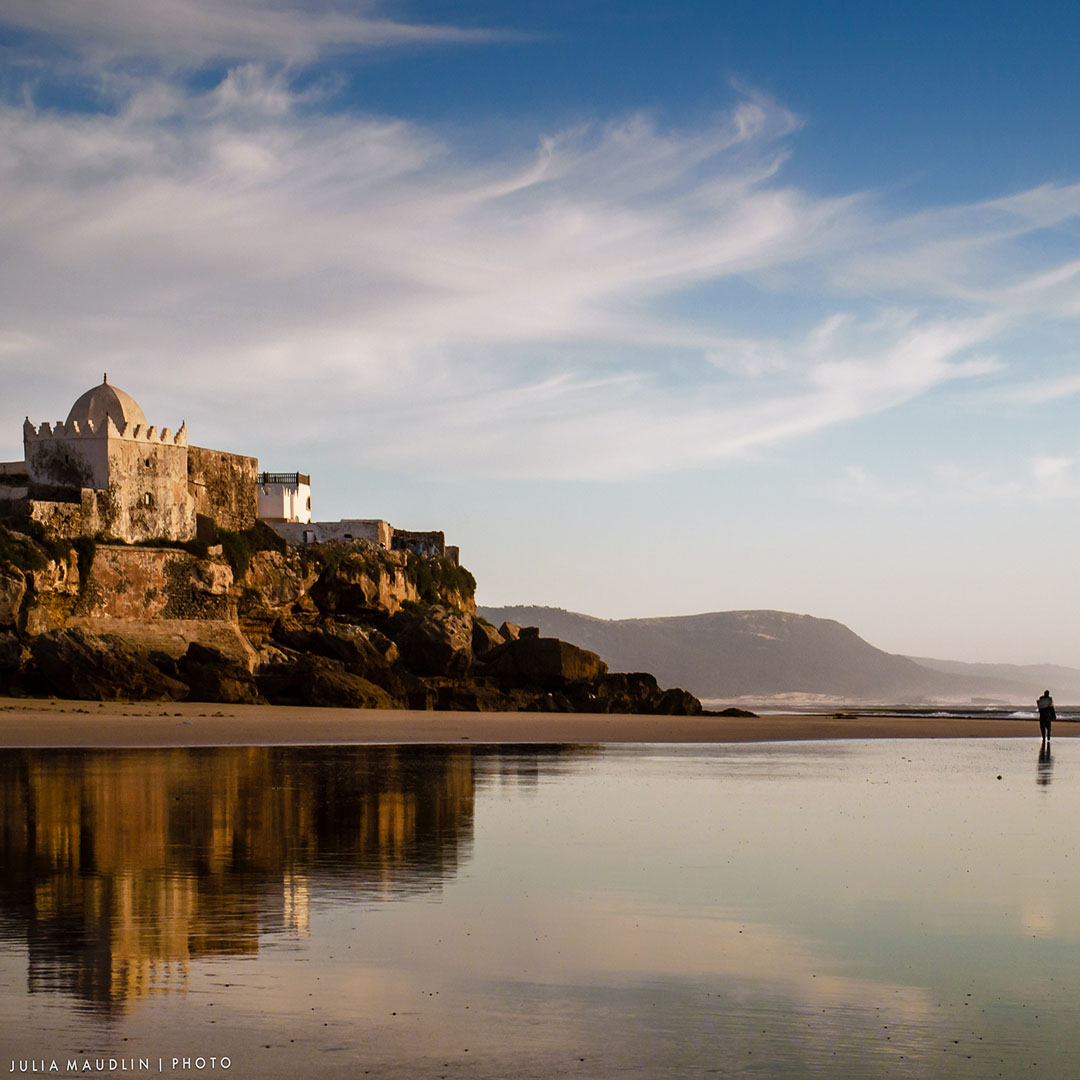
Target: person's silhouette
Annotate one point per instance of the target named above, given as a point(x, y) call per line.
point(1046, 714)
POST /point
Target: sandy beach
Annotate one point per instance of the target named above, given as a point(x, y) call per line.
point(39, 723)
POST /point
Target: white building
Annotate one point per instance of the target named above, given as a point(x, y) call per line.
point(285, 505)
point(284, 497)
point(374, 531)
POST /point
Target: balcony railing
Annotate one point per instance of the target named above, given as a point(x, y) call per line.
point(290, 479)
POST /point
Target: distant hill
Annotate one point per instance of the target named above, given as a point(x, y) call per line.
point(733, 654)
point(1064, 682)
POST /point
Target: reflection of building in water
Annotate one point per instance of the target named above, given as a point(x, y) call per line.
point(296, 903)
point(125, 866)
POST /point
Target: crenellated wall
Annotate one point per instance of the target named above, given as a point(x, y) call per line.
point(60, 460)
point(128, 483)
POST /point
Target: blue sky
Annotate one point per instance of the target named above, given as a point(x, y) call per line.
point(690, 307)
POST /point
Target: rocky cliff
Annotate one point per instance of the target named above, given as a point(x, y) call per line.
point(248, 619)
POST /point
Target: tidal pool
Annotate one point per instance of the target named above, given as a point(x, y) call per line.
point(843, 909)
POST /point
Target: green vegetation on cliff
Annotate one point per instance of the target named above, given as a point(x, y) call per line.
point(238, 547)
point(329, 557)
point(32, 547)
point(434, 576)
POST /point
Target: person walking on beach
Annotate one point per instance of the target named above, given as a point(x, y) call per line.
point(1046, 714)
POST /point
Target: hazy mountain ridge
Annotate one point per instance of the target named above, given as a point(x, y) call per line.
point(734, 654)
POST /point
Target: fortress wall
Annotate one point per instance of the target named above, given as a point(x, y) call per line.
point(419, 543)
point(142, 584)
point(223, 487)
point(374, 531)
point(148, 497)
point(59, 462)
point(70, 517)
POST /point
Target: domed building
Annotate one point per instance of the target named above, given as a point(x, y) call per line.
point(102, 401)
point(106, 471)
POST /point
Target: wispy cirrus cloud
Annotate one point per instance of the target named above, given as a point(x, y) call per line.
point(984, 254)
point(505, 313)
point(1042, 391)
point(193, 32)
point(1039, 479)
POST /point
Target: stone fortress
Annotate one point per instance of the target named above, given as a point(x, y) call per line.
point(106, 472)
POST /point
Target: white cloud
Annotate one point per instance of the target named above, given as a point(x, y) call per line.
point(1042, 391)
point(1052, 474)
point(193, 32)
point(502, 314)
point(979, 254)
point(1033, 480)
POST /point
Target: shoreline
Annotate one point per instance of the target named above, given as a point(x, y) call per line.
point(32, 723)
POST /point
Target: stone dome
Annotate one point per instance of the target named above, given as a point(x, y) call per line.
point(102, 401)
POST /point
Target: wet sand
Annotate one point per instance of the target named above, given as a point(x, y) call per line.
point(28, 722)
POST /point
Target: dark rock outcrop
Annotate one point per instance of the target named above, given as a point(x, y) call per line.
point(350, 588)
point(80, 664)
point(14, 656)
point(361, 650)
point(212, 676)
point(327, 683)
point(485, 638)
point(436, 641)
point(547, 663)
point(12, 591)
point(13, 653)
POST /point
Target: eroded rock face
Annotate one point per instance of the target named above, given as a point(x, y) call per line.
point(211, 578)
point(437, 642)
point(485, 638)
point(543, 662)
point(13, 654)
point(278, 581)
point(364, 584)
point(60, 576)
point(212, 676)
point(363, 651)
point(12, 591)
point(83, 665)
point(636, 692)
point(326, 682)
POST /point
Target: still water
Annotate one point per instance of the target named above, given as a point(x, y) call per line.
point(775, 910)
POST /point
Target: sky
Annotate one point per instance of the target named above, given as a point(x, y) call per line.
point(654, 309)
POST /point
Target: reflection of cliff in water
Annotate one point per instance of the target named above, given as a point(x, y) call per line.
point(118, 867)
